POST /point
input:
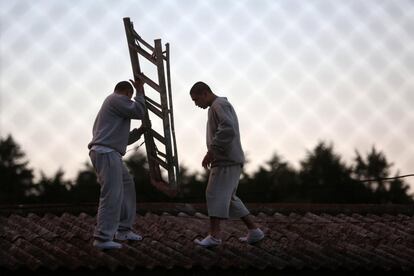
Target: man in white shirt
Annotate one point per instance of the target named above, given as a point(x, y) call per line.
point(111, 135)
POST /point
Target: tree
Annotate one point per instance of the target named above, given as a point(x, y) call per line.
point(86, 187)
point(54, 189)
point(16, 179)
point(192, 186)
point(398, 192)
point(284, 181)
point(375, 167)
point(322, 177)
point(277, 181)
point(326, 179)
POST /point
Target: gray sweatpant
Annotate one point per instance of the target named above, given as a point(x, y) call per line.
point(117, 201)
point(222, 201)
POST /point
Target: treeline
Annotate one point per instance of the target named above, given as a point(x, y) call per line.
point(322, 177)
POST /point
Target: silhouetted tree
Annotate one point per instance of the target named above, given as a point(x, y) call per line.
point(86, 187)
point(326, 179)
point(16, 179)
point(54, 189)
point(322, 178)
point(192, 185)
point(284, 181)
point(376, 167)
point(277, 181)
point(398, 192)
point(255, 188)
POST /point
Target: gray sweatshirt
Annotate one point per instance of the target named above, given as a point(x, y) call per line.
point(223, 136)
point(113, 122)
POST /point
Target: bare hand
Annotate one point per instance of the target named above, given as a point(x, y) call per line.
point(139, 85)
point(142, 129)
point(208, 158)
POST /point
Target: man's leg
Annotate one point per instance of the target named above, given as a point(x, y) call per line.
point(108, 167)
point(217, 196)
point(128, 209)
point(254, 234)
point(215, 227)
point(248, 221)
point(239, 210)
point(213, 238)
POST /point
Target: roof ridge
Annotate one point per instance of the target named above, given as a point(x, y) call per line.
point(194, 209)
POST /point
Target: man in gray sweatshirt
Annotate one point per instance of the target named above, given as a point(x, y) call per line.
point(111, 135)
point(225, 159)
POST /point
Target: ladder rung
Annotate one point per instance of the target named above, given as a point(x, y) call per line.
point(159, 161)
point(144, 53)
point(141, 40)
point(158, 136)
point(153, 102)
point(149, 81)
point(163, 155)
point(154, 110)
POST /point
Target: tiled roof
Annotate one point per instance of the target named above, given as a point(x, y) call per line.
point(328, 238)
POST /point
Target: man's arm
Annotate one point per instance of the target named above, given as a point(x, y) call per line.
point(139, 86)
point(131, 109)
point(207, 160)
point(136, 134)
point(225, 127)
point(126, 108)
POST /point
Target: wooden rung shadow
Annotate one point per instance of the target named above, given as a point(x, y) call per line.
point(166, 159)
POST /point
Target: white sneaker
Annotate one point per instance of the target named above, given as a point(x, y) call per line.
point(103, 245)
point(253, 236)
point(130, 236)
point(208, 241)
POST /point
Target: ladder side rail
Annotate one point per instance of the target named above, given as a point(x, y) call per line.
point(165, 110)
point(175, 158)
point(149, 140)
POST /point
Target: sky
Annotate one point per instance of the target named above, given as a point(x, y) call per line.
point(297, 72)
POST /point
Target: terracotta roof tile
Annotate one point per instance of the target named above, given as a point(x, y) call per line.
point(297, 239)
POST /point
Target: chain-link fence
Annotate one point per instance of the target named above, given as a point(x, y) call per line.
point(297, 72)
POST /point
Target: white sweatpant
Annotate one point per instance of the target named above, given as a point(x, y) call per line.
point(117, 201)
point(221, 198)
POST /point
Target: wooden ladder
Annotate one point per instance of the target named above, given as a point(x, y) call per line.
point(162, 161)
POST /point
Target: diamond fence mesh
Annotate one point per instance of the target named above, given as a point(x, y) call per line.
point(297, 72)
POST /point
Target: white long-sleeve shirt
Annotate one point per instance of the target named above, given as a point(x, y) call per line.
point(112, 124)
point(223, 135)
